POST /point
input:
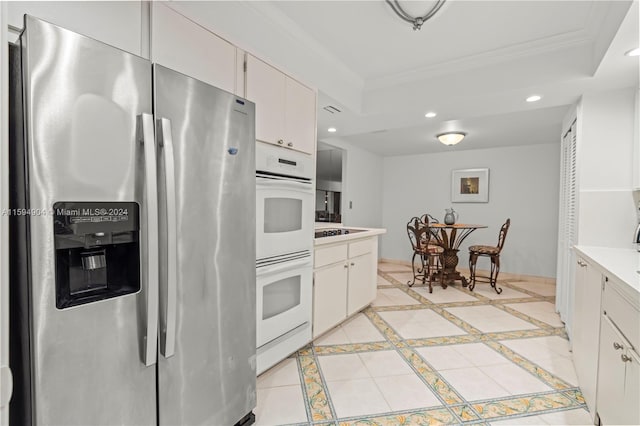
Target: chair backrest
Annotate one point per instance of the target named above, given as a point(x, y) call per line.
point(418, 233)
point(428, 219)
point(503, 234)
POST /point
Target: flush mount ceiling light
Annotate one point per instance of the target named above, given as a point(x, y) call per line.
point(332, 130)
point(418, 20)
point(633, 52)
point(534, 98)
point(430, 114)
point(451, 138)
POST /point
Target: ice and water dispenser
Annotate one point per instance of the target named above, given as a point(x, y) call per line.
point(97, 251)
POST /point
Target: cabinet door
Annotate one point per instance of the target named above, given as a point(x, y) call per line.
point(362, 283)
point(266, 88)
point(587, 297)
point(182, 45)
point(329, 297)
point(300, 117)
point(632, 389)
point(611, 375)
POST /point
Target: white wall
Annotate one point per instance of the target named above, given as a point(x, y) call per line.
point(362, 179)
point(605, 147)
point(524, 185)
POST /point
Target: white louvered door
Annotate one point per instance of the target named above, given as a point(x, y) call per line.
point(567, 228)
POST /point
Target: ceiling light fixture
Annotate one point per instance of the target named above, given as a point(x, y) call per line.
point(332, 130)
point(534, 98)
point(430, 114)
point(451, 138)
point(418, 20)
point(633, 52)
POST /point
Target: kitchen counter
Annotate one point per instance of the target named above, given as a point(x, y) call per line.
point(366, 232)
point(621, 263)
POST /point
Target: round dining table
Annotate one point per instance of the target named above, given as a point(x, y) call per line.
point(449, 238)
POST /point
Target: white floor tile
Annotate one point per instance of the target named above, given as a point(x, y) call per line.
point(543, 289)
point(404, 277)
point(359, 329)
point(490, 319)
point(479, 354)
point(569, 417)
point(385, 363)
point(283, 374)
point(406, 392)
point(473, 384)
point(342, 367)
point(529, 420)
point(337, 336)
point(393, 297)
point(445, 295)
point(507, 293)
point(561, 367)
point(542, 311)
point(515, 379)
point(382, 281)
point(539, 348)
point(357, 397)
point(444, 357)
point(421, 323)
point(281, 405)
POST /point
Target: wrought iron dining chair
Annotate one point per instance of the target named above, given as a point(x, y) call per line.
point(419, 236)
point(435, 250)
point(493, 252)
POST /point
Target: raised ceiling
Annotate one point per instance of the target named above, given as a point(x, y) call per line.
point(474, 64)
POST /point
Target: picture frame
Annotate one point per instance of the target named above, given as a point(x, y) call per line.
point(470, 185)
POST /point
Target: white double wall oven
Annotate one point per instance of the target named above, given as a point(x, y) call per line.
point(284, 243)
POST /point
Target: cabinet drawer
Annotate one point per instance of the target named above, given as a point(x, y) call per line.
point(358, 248)
point(622, 314)
point(328, 255)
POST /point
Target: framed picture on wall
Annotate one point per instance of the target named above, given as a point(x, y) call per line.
point(470, 186)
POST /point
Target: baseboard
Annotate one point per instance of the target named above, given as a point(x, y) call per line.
point(503, 275)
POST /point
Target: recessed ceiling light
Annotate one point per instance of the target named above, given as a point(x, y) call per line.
point(332, 130)
point(534, 98)
point(633, 52)
point(430, 114)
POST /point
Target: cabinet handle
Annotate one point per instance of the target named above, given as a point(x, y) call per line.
point(290, 144)
point(625, 358)
point(280, 141)
point(353, 264)
point(346, 266)
point(617, 346)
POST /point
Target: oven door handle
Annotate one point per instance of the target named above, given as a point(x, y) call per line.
point(283, 266)
point(284, 183)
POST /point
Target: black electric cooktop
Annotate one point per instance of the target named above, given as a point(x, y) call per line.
point(330, 232)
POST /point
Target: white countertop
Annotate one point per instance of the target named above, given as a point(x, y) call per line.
point(367, 232)
point(619, 262)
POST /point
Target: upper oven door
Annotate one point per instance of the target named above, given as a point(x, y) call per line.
point(284, 216)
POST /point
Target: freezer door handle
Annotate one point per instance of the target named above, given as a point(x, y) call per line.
point(170, 282)
point(150, 242)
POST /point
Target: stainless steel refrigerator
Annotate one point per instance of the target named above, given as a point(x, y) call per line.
point(132, 243)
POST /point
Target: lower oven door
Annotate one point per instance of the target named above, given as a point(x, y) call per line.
point(283, 298)
point(284, 216)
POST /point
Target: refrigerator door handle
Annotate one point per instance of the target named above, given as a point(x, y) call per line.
point(150, 270)
point(168, 311)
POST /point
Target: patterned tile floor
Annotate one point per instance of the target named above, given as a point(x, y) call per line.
point(413, 358)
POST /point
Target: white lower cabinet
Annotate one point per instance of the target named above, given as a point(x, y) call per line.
point(618, 390)
point(344, 281)
point(586, 321)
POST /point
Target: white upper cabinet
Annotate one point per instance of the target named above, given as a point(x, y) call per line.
point(118, 23)
point(285, 109)
point(184, 46)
